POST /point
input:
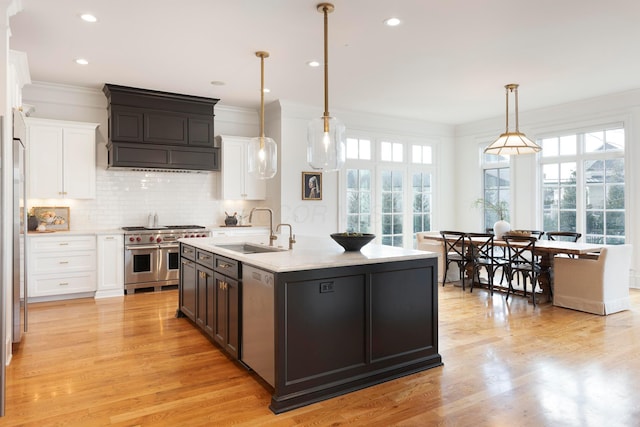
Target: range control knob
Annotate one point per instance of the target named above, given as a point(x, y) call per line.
point(151, 238)
point(159, 239)
point(193, 235)
point(132, 239)
point(138, 239)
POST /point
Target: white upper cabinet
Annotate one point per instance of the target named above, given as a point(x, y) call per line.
point(236, 182)
point(62, 159)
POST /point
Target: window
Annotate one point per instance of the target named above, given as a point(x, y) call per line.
point(583, 184)
point(358, 149)
point(359, 201)
point(496, 183)
point(398, 189)
point(393, 209)
point(391, 151)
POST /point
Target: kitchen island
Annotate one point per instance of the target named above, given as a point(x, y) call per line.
point(314, 322)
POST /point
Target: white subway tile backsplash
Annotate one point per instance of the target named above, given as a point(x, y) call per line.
point(126, 197)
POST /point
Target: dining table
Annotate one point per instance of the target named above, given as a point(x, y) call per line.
point(547, 250)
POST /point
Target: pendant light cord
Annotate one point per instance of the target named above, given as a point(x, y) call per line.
point(262, 55)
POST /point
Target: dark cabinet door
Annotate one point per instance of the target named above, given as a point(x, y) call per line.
point(188, 288)
point(233, 319)
point(204, 288)
point(226, 325)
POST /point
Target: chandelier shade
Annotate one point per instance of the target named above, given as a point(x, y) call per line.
point(263, 151)
point(512, 143)
point(325, 135)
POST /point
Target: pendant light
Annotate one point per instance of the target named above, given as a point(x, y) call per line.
point(325, 135)
point(263, 151)
point(512, 142)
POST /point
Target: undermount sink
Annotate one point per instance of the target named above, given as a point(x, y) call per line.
point(250, 248)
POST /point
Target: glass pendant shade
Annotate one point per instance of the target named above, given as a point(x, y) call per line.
point(326, 146)
point(512, 143)
point(263, 151)
point(263, 157)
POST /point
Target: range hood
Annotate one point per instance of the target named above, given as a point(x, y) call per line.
point(160, 131)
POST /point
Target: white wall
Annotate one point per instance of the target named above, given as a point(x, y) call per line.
point(621, 107)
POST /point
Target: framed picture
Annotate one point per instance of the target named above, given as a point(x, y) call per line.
point(54, 218)
point(311, 186)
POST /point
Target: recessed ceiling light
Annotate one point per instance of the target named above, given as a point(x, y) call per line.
point(392, 22)
point(82, 61)
point(266, 90)
point(87, 17)
point(218, 83)
point(313, 64)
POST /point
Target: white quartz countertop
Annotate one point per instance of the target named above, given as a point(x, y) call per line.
point(308, 253)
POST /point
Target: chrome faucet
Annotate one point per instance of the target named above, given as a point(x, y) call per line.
point(292, 237)
point(272, 236)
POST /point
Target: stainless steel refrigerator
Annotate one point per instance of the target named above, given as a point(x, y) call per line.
point(19, 228)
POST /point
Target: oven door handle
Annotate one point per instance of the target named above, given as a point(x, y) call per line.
point(169, 245)
point(140, 247)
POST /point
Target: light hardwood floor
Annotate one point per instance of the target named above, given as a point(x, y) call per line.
point(128, 361)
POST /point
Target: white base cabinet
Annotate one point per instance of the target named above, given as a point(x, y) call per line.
point(236, 182)
point(110, 265)
point(61, 265)
point(61, 159)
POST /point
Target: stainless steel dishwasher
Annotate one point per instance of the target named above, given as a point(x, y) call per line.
point(258, 347)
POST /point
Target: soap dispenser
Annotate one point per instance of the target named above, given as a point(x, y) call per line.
point(150, 221)
point(155, 219)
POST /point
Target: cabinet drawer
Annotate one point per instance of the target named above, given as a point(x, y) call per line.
point(188, 252)
point(227, 266)
point(67, 243)
point(58, 262)
point(58, 284)
point(204, 258)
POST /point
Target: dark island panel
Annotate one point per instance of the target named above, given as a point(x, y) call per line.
point(345, 328)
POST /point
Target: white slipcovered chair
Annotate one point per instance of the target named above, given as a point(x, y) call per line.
point(598, 285)
point(425, 244)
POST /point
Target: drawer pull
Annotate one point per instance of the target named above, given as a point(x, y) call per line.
point(64, 244)
point(64, 262)
point(204, 257)
point(63, 283)
point(109, 238)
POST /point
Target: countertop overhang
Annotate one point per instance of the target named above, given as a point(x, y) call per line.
point(309, 252)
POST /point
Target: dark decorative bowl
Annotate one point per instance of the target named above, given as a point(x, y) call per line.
point(352, 242)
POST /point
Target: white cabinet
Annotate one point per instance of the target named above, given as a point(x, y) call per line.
point(236, 182)
point(61, 265)
point(61, 159)
point(110, 265)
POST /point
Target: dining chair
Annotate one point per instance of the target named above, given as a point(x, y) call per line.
point(481, 250)
point(535, 233)
point(454, 252)
point(599, 285)
point(521, 261)
point(567, 236)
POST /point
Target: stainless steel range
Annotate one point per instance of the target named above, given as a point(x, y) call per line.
point(152, 255)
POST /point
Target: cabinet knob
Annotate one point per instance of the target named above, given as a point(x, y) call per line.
point(63, 283)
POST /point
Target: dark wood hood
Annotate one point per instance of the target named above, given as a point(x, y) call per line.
point(160, 130)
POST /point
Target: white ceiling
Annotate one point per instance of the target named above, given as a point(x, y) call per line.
point(448, 62)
